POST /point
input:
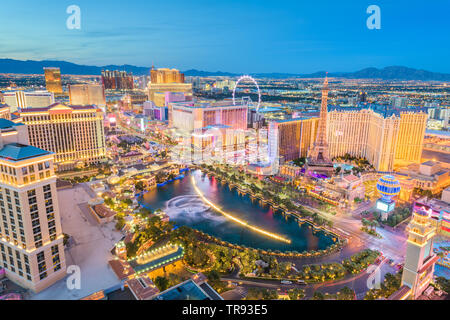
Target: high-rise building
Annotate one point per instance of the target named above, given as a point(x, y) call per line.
point(363, 133)
point(28, 99)
point(411, 134)
point(162, 99)
point(31, 239)
point(318, 159)
point(74, 133)
point(192, 116)
point(166, 75)
point(53, 80)
point(420, 259)
point(382, 140)
point(291, 139)
point(87, 94)
point(166, 80)
point(209, 131)
point(117, 80)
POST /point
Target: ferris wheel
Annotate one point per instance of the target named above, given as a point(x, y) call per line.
point(243, 78)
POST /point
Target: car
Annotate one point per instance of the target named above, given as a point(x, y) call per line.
point(302, 282)
point(286, 282)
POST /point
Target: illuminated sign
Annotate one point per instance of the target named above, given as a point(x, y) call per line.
point(385, 207)
point(382, 206)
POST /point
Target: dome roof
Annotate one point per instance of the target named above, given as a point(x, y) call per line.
point(388, 186)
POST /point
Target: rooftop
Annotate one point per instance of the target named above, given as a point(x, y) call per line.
point(142, 288)
point(18, 152)
point(291, 120)
point(385, 111)
point(429, 163)
point(187, 290)
point(102, 211)
point(206, 105)
point(121, 269)
point(56, 106)
point(7, 124)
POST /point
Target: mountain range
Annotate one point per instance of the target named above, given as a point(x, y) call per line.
point(387, 73)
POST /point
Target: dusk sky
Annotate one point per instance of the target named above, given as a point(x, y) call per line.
point(235, 36)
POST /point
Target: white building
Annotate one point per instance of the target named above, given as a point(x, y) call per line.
point(28, 99)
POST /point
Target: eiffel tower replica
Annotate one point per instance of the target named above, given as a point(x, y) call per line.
point(318, 160)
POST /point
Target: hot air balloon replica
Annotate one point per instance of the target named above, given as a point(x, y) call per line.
point(388, 187)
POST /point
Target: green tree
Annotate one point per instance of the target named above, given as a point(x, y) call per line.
point(318, 296)
point(296, 294)
point(162, 283)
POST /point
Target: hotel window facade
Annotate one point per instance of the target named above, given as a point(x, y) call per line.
point(31, 238)
point(74, 134)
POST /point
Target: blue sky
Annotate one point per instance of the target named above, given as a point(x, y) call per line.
point(237, 36)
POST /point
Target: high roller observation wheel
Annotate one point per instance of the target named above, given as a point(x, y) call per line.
point(247, 77)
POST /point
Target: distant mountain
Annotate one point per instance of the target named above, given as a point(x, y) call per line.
point(198, 73)
point(397, 73)
point(387, 73)
point(36, 67)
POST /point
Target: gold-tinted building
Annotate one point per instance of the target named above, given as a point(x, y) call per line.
point(74, 133)
point(166, 80)
point(383, 141)
point(411, 136)
point(291, 139)
point(87, 94)
point(31, 238)
point(363, 133)
point(166, 75)
point(53, 80)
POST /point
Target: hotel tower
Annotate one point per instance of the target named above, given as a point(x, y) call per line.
point(31, 239)
point(209, 131)
point(74, 133)
point(53, 80)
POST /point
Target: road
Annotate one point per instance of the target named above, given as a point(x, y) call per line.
point(392, 244)
point(359, 283)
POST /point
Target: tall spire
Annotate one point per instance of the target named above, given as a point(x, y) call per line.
point(325, 82)
point(318, 155)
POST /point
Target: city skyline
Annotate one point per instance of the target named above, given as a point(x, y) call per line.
point(245, 151)
point(231, 37)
